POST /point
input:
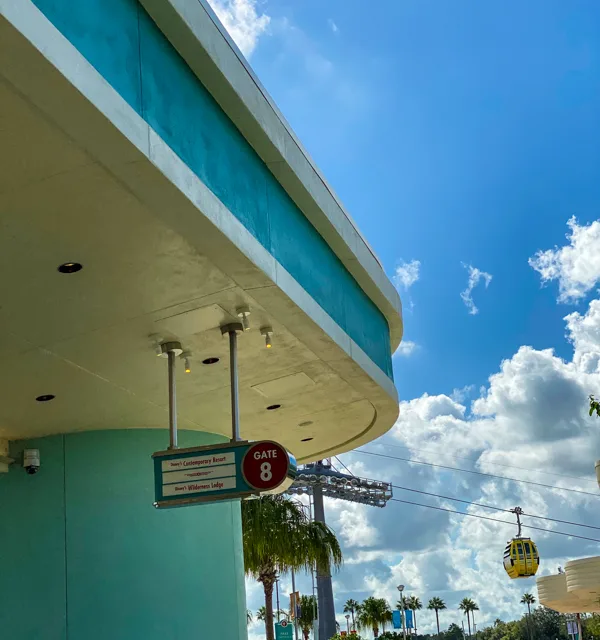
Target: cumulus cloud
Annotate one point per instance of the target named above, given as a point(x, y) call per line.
point(405, 348)
point(529, 422)
point(576, 266)
point(407, 273)
point(243, 21)
point(475, 277)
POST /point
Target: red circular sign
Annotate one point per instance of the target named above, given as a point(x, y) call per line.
point(265, 465)
point(284, 623)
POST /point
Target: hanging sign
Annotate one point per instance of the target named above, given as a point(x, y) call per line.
point(284, 630)
point(221, 472)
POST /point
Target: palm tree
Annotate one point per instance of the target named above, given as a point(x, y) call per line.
point(351, 607)
point(404, 605)
point(261, 614)
point(528, 599)
point(278, 536)
point(372, 613)
point(308, 614)
point(414, 604)
point(437, 605)
point(248, 616)
point(467, 606)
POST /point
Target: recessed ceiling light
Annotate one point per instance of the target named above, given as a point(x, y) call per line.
point(306, 439)
point(70, 267)
point(210, 361)
point(45, 398)
point(273, 407)
point(306, 423)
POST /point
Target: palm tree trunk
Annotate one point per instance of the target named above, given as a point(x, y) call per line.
point(268, 588)
point(468, 622)
point(437, 619)
point(415, 617)
point(375, 631)
point(352, 612)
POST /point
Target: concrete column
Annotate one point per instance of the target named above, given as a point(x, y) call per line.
point(89, 557)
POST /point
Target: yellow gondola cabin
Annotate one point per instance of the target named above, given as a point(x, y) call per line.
point(521, 556)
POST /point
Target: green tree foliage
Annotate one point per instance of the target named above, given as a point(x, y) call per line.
point(308, 614)
point(414, 604)
point(467, 606)
point(278, 536)
point(373, 614)
point(350, 636)
point(352, 607)
point(454, 632)
point(437, 605)
point(594, 406)
point(528, 599)
point(545, 625)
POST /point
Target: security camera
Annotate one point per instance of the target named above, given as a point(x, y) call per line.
point(31, 461)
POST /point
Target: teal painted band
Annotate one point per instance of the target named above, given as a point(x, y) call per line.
point(127, 48)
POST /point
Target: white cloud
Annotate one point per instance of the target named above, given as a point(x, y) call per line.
point(531, 415)
point(333, 26)
point(475, 276)
point(405, 348)
point(407, 273)
point(244, 23)
point(576, 266)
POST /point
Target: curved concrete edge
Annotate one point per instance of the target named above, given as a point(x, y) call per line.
point(195, 31)
point(116, 137)
point(575, 591)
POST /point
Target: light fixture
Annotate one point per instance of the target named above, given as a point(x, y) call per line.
point(210, 361)
point(273, 407)
point(267, 332)
point(401, 588)
point(243, 313)
point(70, 267)
point(306, 439)
point(46, 397)
point(306, 423)
point(186, 355)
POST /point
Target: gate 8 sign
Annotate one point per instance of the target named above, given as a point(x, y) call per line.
point(266, 465)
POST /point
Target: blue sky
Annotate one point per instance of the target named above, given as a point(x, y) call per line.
point(453, 132)
point(462, 137)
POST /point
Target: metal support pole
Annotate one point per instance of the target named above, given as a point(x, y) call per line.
point(295, 611)
point(172, 401)
point(402, 613)
point(278, 608)
point(235, 391)
point(171, 350)
point(327, 627)
point(232, 331)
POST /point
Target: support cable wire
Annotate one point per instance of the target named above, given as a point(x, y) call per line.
point(477, 473)
point(488, 506)
point(474, 515)
point(495, 464)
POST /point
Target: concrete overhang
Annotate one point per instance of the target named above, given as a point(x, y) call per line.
point(83, 178)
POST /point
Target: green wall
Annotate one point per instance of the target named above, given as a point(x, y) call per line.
point(122, 42)
point(85, 555)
